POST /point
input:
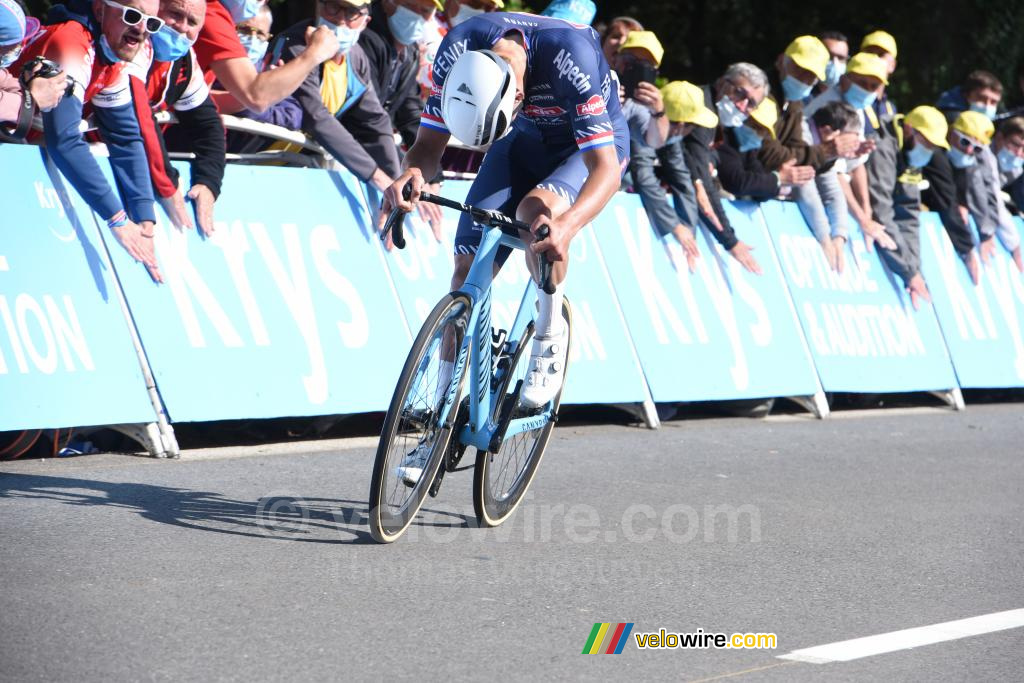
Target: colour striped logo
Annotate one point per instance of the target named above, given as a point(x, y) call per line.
point(607, 639)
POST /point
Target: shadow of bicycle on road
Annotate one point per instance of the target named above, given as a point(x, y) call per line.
point(275, 516)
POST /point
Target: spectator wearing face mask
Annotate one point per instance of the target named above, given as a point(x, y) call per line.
point(920, 135)
point(93, 42)
point(883, 45)
point(615, 35)
point(1008, 149)
point(838, 46)
point(221, 53)
point(339, 105)
point(645, 109)
point(457, 11)
point(43, 93)
point(733, 96)
point(576, 11)
point(174, 81)
point(981, 92)
point(740, 169)
point(254, 35)
point(950, 175)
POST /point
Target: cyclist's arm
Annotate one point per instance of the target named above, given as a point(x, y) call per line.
point(422, 162)
point(600, 186)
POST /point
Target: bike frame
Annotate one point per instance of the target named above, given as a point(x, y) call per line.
point(477, 342)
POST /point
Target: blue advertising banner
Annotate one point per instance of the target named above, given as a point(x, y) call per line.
point(603, 364)
point(983, 324)
point(66, 356)
point(862, 330)
point(719, 333)
point(287, 309)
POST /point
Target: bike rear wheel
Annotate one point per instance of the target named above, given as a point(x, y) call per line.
point(420, 416)
point(500, 480)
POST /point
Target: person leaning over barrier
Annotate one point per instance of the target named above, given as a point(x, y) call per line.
point(221, 53)
point(1008, 149)
point(644, 110)
point(340, 108)
point(175, 81)
point(984, 200)
point(919, 135)
point(93, 43)
point(733, 96)
point(43, 92)
point(981, 92)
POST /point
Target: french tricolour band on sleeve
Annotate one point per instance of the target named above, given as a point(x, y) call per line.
point(596, 140)
point(433, 122)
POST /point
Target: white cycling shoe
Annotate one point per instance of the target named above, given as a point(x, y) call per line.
point(546, 371)
point(412, 465)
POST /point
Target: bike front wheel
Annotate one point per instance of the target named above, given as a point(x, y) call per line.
point(500, 480)
point(419, 420)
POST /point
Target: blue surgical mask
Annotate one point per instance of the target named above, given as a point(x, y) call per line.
point(919, 156)
point(346, 36)
point(673, 139)
point(960, 159)
point(729, 114)
point(10, 57)
point(859, 98)
point(241, 10)
point(747, 138)
point(795, 90)
point(169, 45)
point(256, 48)
point(989, 111)
point(465, 12)
point(833, 71)
point(1008, 161)
point(406, 26)
point(108, 51)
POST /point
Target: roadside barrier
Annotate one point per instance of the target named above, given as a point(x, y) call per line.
point(293, 308)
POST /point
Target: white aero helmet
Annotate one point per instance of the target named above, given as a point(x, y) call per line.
point(478, 98)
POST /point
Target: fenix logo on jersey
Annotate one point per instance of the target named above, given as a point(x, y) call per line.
point(568, 70)
point(443, 60)
point(595, 106)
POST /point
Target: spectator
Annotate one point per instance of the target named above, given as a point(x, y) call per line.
point(100, 82)
point(924, 130)
point(984, 188)
point(221, 53)
point(882, 44)
point(175, 81)
point(980, 92)
point(838, 46)
point(615, 35)
point(734, 95)
point(577, 11)
point(396, 26)
point(881, 110)
point(949, 177)
point(454, 12)
point(43, 93)
point(340, 109)
point(644, 110)
point(254, 35)
point(1008, 149)
point(740, 170)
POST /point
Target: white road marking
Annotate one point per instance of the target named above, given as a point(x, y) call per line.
point(847, 650)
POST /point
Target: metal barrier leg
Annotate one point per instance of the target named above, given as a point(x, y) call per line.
point(149, 436)
point(817, 404)
point(954, 398)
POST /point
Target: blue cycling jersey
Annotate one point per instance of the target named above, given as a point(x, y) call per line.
point(568, 101)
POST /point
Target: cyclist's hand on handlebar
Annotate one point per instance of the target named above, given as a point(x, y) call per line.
point(556, 244)
point(393, 196)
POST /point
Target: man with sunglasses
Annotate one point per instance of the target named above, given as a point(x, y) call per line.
point(93, 42)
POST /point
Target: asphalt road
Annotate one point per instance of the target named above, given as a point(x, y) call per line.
point(254, 563)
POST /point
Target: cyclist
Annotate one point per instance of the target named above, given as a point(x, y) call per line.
point(538, 95)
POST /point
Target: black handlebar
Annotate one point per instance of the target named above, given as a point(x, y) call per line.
point(396, 223)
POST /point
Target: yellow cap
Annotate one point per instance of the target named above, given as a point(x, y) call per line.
point(766, 114)
point(645, 40)
point(929, 122)
point(867, 64)
point(976, 126)
point(809, 53)
point(684, 103)
point(880, 39)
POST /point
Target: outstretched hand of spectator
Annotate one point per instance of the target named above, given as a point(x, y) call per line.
point(972, 265)
point(845, 145)
point(431, 213)
point(741, 252)
point(875, 232)
point(137, 240)
point(321, 43)
point(918, 290)
point(839, 248)
point(203, 198)
point(688, 242)
point(829, 248)
point(704, 203)
point(176, 210)
point(791, 174)
point(987, 249)
point(867, 146)
point(1015, 254)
